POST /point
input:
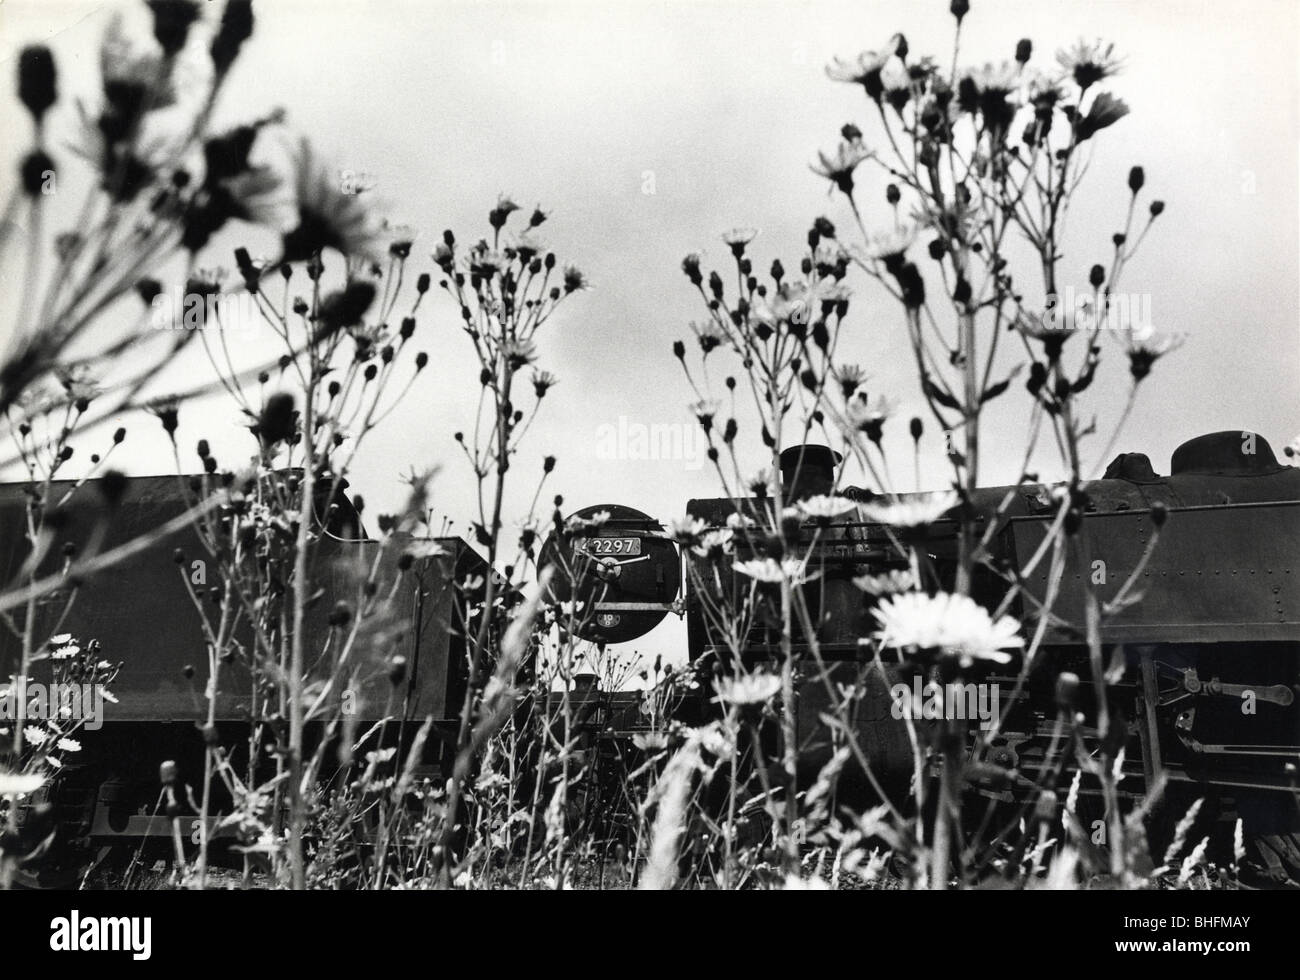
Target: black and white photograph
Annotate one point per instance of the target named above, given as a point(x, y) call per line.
point(661, 445)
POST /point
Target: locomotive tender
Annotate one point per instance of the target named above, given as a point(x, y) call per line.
point(140, 612)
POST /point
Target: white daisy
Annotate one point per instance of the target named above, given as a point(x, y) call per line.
point(888, 583)
point(650, 741)
point(1090, 61)
point(916, 510)
point(770, 571)
point(742, 689)
point(953, 624)
point(717, 541)
point(824, 507)
point(19, 783)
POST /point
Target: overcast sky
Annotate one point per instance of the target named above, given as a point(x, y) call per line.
point(649, 128)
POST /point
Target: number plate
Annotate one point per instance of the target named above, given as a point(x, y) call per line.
point(613, 546)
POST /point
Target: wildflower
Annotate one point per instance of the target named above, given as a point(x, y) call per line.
point(792, 305)
point(710, 335)
point(327, 215)
point(794, 883)
point(746, 689)
point(400, 238)
point(760, 483)
point(650, 741)
point(738, 238)
point(714, 544)
point(133, 81)
point(955, 625)
point(1144, 351)
point(691, 266)
point(543, 381)
point(504, 208)
point(864, 70)
point(577, 525)
point(868, 415)
point(518, 353)
point(1105, 110)
point(889, 583)
point(20, 783)
point(687, 530)
point(278, 420)
point(486, 262)
point(68, 745)
point(897, 81)
point(1052, 329)
point(65, 652)
point(36, 735)
point(740, 522)
point(772, 572)
point(889, 247)
point(528, 244)
point(824, 508)
point(714, 740)
point(1089, 61)
point(704, 411)
point(917, 510)
point(574, 280)
point(60, 639)
point(838, 168)
point(991, 91)
point(166, 410)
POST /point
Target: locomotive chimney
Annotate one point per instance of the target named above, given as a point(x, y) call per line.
point(808, 471)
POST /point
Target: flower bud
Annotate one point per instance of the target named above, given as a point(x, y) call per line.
point(1045, 808)
point(1136, 178)
point(1067, 691)
point(38, 85)
point(171, 23)
point(1024, 49)
point(37, 171)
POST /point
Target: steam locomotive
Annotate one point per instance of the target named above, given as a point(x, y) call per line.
point(1202, 672)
